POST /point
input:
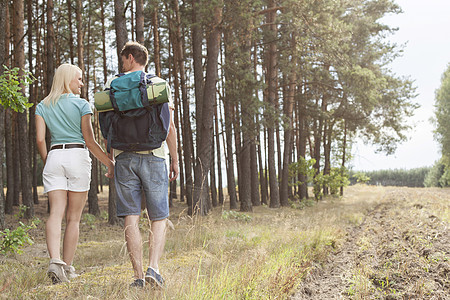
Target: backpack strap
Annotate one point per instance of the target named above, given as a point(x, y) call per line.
point(112, 97)
point(143, 89)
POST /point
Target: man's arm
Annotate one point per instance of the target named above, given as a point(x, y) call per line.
point(172, 145)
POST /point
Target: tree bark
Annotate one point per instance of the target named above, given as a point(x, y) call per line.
point(288, 137)
point(19, 61)
point(140, 21)
point(187, 131)
point(120, 28)
point(3, 20)
point(271, 78)
point(156, 43)
point(32, 93)
point(197, 57)
point(219, 160)
point(204, 149)
point(69, 20)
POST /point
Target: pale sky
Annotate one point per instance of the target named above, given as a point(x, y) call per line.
point(425, 27)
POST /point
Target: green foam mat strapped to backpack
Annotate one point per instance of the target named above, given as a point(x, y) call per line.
point(158, 91)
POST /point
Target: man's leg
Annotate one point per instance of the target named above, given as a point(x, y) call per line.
point(157, 240)
point(134, 244)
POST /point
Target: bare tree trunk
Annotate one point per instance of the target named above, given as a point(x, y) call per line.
point(120, 27)
point(156, 44)
point(69, 19)
point(187, 132)
point(262, 177)
point(50, 46)
point(3, 53)
point(271, 78)
point(19, 61)
point(219, 160)
point(197, 42)
point(344, 149)
point(230, 161)
point(140, 21)
point(32, 129)
point(204, 149)
point(11, 184)
point(212, 176)
point(288, 137)
point(16, 160)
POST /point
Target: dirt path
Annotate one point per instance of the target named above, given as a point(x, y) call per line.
point(401, 250)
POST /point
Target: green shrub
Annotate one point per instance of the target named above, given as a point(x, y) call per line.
point(14, 240)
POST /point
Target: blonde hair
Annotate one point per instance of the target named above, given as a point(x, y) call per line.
point(61, 82)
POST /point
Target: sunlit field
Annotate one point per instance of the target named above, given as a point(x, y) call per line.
point(265, 254)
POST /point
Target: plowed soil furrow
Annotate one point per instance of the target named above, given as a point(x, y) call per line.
point(401, 250)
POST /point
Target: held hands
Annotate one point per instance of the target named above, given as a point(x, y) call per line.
point(110, 173)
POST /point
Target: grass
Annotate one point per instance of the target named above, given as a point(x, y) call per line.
point(264, 254)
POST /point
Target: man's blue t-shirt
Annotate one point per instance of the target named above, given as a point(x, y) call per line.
point(64, 118)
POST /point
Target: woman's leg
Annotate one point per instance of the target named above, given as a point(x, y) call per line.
point(58, 202)
point(77, 200)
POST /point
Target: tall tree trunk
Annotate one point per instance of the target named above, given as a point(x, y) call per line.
point(197, 56)
point(262, 177)
point(344, 149)
point(16, 160)
point(212, 176)
point(11, 183)
point(327, 132)
point(301, 148)
point(120, 28)
point(219, 160)
point(140, 21)
point(156, 44)
point(32, 90)
point(69, 19)
point(271, 78)
point(80, 43)
point(288, 138)
point(187, 132)
point(3, 20)
point(19, 61)
point(50, 46)
point(204, 149)
point(231, 181)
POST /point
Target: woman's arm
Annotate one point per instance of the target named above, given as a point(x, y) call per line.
point(93, 146)
point(40, 137)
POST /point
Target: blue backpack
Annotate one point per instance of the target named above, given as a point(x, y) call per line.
point(135, 124)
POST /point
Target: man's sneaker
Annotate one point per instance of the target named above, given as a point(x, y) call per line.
point(70, 272)
point(138, 283)
point(154, 278)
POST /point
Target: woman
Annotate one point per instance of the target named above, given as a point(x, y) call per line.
point(67, 166)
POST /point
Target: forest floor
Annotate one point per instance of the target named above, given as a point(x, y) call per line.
point(373, 243)
point(401, 250)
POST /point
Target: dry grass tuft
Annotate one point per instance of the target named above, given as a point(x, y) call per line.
point(260, 255)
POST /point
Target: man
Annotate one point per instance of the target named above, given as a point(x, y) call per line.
point(144, 172)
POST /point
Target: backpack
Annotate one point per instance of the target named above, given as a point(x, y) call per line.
point(137, 122)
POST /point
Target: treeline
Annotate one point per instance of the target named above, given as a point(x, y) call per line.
point(258, 86)
point(439, 175)
point(397, 177)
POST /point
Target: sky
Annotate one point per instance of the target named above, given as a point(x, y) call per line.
point(425, 28)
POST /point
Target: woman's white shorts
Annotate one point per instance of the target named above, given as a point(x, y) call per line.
point(67, 169)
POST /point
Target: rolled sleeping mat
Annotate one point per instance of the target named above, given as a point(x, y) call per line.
point(158, 92)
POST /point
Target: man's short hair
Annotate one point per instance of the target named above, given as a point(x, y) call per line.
point(139, 52)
